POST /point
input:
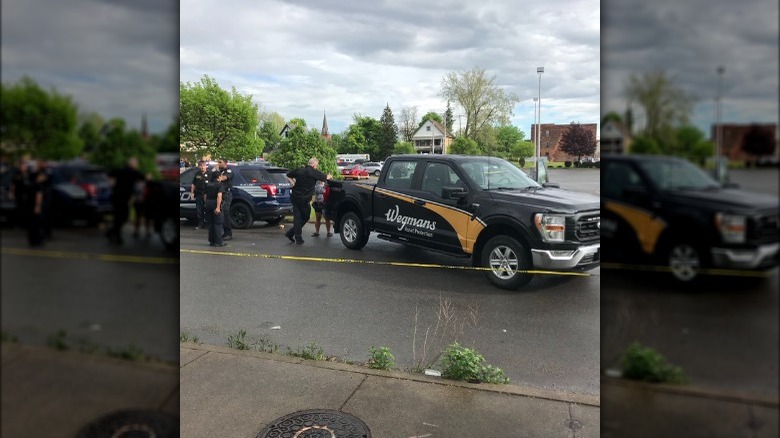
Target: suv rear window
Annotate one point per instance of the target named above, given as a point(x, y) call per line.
point(254, 176)
point(278, 176)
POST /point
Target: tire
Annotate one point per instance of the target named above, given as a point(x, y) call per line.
point(685, 260)
point(275, 221)
point(353, 232)
point(169, 233)
point(504, 255)
point(376, 173)
point(241, 216)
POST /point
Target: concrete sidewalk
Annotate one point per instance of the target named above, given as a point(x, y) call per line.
point(218, 391)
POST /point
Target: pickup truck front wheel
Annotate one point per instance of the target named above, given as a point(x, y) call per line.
point(506, 258)
point(353, 234)
point(684, 260)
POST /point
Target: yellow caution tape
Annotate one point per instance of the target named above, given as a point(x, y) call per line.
point(703, 271)
point(371, 262)
point(91, 256)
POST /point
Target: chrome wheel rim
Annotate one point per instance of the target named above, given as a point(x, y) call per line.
point(349, 231)
point(503, 262)
point(684, 262)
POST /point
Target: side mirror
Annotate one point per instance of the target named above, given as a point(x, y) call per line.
point(453, 192)
point(551, 185)
point(730, 185)
point(541, 175)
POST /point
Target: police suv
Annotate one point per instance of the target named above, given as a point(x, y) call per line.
point(484, 208)
point(260, 192)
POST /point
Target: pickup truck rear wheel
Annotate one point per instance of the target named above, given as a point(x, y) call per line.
point(506, 258)
point(353, 234)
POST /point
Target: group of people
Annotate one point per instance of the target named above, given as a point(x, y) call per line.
point(30, 190)
point(212, 191)
point(213, 194)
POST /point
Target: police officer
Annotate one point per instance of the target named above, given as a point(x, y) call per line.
point(303, 180)
point(215, 209)
point(226, 178)
point(198, 192)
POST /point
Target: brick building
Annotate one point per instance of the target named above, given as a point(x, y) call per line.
point(731, 146)
point(551, 137)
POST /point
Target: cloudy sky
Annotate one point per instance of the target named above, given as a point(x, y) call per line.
point(689, 39)
point(114, 57)
point(302, 58)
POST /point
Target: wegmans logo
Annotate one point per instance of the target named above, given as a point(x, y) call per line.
point(409, 223)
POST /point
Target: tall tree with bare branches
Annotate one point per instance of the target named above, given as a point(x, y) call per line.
point(407, 122)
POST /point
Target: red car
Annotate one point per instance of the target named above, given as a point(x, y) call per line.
point(354, 171)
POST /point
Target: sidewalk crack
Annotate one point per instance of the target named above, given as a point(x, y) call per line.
point(571, 423)
point(365, 377)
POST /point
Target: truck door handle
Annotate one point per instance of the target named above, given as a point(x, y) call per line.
point(419, 202)
point(381, 195)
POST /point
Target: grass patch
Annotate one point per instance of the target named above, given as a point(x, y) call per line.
point(131, 352)
point(381, 358)
point(185, 337)
point(461, 363)
point(309, 352)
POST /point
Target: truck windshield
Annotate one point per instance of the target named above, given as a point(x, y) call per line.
point(677, 175)
point(497, 174)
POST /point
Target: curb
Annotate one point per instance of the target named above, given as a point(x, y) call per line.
point(692, 391)
point(559, 396)
point(13, 352)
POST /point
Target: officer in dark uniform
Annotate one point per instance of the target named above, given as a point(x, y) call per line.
point(198, 192)
point(215, 209)
point(21, 183)
point(303, 180)
point(226, 178)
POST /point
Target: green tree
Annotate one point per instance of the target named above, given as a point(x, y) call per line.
point(169, 141)
point(38, 122)
point(363, 136)
point(212, 117)
point(611, 116)
point(523, 149)
point(663, 103)
point(300, 145)
point(578, 141)
point(117, 145)
point(689, 143)
point(484, 102)
point(270, 125)
point(645, 145)
point(388, 134)
point(507, 137)
point(758, 141)
point(430, 116)
point(403, 147)
point(464, 146)
point(449, 118)
point(90, 131)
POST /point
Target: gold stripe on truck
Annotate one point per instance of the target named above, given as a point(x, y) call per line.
point(646, 225)
point(460, 220)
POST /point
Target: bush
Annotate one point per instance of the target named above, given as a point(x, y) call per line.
point(381, 359)
point(644, 363)
point(567, 163)
point(597, 164)
point(460, 363)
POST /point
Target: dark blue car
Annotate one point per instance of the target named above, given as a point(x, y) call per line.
point(260, 193)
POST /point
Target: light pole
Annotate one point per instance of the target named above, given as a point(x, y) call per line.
point(539, 70)
point(718, 131)
point(536, 131)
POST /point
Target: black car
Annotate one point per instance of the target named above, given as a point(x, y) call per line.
point(260, 192)
point(665, 211)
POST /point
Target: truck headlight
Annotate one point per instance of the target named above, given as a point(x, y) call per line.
point(552, 227)
point(732, 227)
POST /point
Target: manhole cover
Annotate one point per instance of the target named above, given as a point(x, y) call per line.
point(132, 424)
point(316, 423)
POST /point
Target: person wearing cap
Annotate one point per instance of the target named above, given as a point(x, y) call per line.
point(226, 178)
point(198, 192)
point(215, 216)
point(303, 180)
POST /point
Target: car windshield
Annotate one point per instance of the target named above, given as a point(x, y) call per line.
point(677, 175)
point(497, 174)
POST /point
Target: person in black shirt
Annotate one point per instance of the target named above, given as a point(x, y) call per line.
point(198, 192)
point(303, 180)
point(19, 192)
point(36, 192)
point(214, 209)
point(124, 183)
point(226, 178)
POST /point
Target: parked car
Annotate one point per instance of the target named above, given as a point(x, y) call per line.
point(260, 192)
point(354, 171)
point(373, 167)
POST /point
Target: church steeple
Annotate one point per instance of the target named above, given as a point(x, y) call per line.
point(144, 127)
point(325, 133)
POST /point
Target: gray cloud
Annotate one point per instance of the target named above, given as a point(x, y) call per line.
point(302, 57)
point(116, 58)
point(690, 39)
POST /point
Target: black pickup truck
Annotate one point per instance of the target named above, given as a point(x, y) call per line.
point(479, 207)
point(664, 212)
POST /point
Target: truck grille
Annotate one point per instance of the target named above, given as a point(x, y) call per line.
point(766, 227)
point(587, 227)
